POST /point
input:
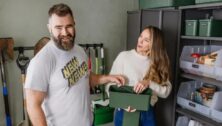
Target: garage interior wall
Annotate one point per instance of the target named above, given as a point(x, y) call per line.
point(25, 20)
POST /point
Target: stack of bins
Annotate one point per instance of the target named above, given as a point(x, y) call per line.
point(210, 28)
point(185, 100)
point(206, 1)
point(191, 27)
point(144, 4)
point(190, 65)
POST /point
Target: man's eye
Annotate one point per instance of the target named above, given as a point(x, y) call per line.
point(58, 28)
point(69, 26)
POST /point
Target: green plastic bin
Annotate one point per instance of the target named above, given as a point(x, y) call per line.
point(124, 96)
point(191, 28)
point(102, 115)
point(144, 4)
point(206, 1)
point(210, 28)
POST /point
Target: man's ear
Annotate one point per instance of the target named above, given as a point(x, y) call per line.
point(49, 28)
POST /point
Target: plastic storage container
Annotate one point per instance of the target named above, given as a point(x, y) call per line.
point(216, 106)
point(210, 28)
point(182, 121)
point(206, 1)
point(102, 115)
point(191, 27)
point(216, 115)
point(163, 3)
point(190, 65)
point(184, 98)
point(124, 96)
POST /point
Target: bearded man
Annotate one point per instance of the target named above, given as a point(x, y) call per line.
point(58, 81)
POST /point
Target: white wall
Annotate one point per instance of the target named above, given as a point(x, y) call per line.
point(25, 20)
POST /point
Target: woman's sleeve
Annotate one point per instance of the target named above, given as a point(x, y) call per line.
point(163, 90)
point(117, 68)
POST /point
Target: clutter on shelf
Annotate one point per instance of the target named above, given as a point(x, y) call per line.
point(206, 59)
point(202, 60)
point(202, 98)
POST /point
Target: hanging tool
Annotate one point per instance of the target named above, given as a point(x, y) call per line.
point(22, 62)
point(96, 59)
point(89, 64)
point(6, 43)
point(102, 68)
point(5, 92)
point(89, 59)
point(97, 89)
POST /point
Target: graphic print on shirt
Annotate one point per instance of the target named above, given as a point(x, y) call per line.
point(73, 71)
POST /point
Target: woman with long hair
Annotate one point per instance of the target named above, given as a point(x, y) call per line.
point(146, 66)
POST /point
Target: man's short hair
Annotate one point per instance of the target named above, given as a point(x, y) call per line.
point(60, 10)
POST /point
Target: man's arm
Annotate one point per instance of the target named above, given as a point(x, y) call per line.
point(34, 101)
point(102, 79)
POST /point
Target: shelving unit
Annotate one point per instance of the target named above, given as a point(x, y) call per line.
point(215, 5)
point(200, 11)
point(201, 78)
point(198, 117)
point(202, 38)
point(175, 38)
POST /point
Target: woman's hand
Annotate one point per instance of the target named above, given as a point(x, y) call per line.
point(141, 86)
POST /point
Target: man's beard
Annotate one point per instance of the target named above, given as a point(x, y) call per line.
point(64, 45)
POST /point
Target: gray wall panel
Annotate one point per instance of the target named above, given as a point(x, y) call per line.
point(25, 20)
point(133, 28)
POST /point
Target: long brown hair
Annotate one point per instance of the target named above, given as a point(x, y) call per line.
point(159, 70)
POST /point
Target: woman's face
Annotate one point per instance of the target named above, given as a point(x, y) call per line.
point(144, 43)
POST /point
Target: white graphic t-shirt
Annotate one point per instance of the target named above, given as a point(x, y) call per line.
point(64, 76)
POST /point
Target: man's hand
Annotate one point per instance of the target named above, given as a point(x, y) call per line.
point(118, 79)
point(103, 79)
point(141, 86)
